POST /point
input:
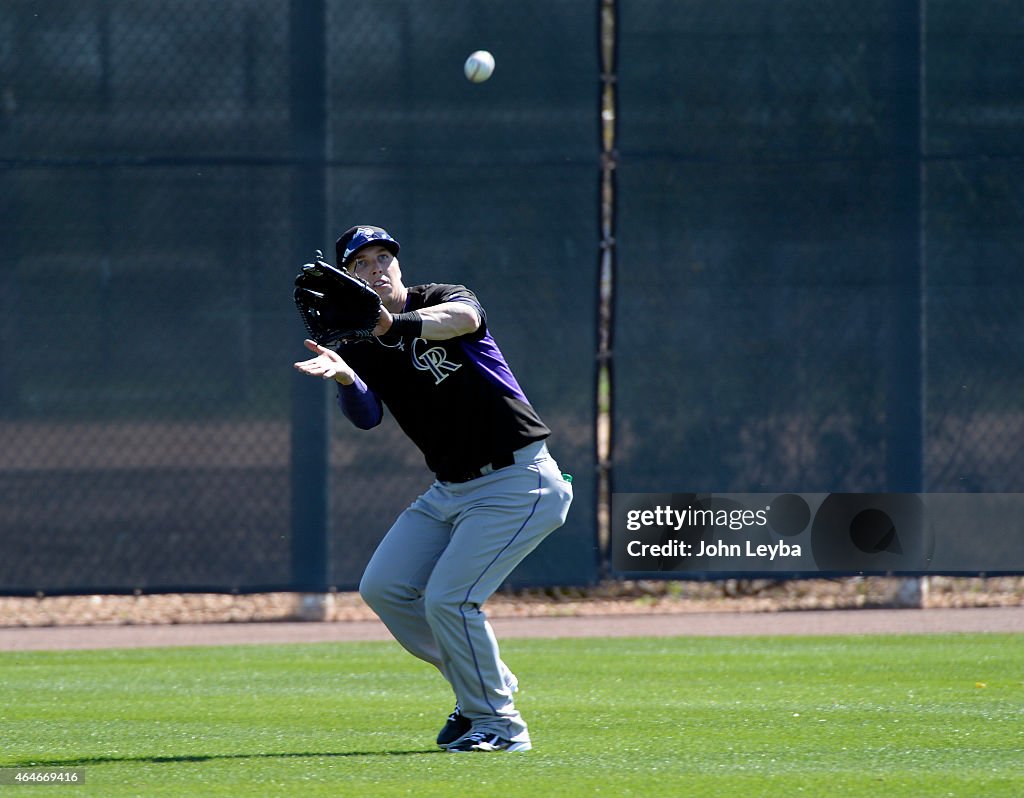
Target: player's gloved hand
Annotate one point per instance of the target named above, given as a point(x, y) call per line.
point(334, 305)
point(327, 364)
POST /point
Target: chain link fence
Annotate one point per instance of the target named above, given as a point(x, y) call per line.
point(975, 248)
point(803, 186)
point(165, 167)
point(156, 170)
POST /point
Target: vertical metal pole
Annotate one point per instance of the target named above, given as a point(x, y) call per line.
point(905, 384)
point(12, 222)
point(309, 400)
point(104, 207)
point(604, 388)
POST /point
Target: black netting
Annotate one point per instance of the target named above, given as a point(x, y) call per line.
point(975, 248)
point(801, 189)
point(775, 212)
point(165, 168)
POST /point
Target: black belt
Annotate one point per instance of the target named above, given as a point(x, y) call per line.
point(465, 476)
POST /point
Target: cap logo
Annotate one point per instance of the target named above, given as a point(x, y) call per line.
point(362, 236)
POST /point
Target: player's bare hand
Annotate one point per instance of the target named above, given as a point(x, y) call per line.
point(327, 364)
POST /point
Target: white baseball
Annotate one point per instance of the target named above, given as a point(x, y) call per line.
point(479, 66)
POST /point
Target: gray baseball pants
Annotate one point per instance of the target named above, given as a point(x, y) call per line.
point(444, 557)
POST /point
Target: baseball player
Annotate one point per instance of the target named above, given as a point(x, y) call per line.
point(497, 494)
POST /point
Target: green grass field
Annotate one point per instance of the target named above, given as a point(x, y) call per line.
point(878, 716)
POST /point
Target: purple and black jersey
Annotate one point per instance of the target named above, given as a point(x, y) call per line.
point(457, 399)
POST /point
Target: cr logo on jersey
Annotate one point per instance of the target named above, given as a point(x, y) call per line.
point(435, 360)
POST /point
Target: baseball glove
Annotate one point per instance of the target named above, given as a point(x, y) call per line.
point(334, 305)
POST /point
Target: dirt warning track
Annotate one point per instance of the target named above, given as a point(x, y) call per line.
point(699, 624)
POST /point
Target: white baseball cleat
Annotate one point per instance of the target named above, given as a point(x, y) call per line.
point(487, 741)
